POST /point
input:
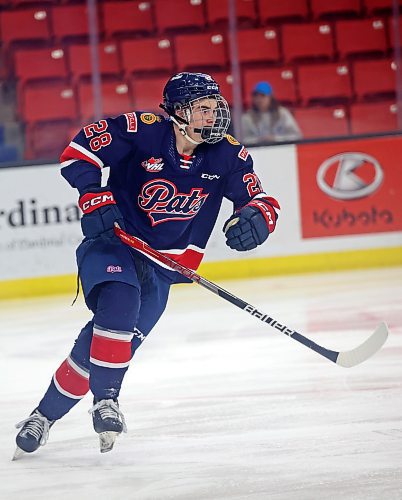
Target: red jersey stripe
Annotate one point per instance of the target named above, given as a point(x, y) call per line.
point(189, 258)
point(71, 153)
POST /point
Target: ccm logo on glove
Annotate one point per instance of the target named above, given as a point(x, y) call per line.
point(100, 213)
point(267, 211)
point(251, 225)
point(92, 201)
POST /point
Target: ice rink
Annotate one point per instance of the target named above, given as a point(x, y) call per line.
point(219, 405)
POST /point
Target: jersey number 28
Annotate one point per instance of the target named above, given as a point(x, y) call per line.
point(101, 140)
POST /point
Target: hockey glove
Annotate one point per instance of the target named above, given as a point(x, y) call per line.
point(250, 226)
point(100, 213)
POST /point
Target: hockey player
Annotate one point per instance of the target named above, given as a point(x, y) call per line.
point(166, 184)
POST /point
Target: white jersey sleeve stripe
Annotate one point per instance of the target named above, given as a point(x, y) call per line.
point(87, 153)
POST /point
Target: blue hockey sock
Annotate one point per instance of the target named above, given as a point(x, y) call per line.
point(110, 354)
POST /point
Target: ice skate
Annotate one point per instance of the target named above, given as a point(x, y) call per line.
point(34, 433)
point(108, 422)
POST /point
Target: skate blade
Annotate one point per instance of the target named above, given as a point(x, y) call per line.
point(106, 440)
point(18, 454)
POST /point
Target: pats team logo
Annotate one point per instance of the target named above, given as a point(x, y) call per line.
point(153, 164)
point(162, 201)
point(148, 118)
point(232, 140)
point(349, 176)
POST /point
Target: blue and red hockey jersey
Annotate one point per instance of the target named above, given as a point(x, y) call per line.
point(169, 200)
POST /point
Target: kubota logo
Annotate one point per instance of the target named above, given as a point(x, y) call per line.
point(348, 176)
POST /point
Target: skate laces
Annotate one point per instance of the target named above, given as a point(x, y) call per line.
point(108, 409)
point(37, 425)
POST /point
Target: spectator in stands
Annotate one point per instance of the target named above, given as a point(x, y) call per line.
point(267, 121)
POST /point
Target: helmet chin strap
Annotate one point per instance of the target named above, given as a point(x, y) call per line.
point(182, 129)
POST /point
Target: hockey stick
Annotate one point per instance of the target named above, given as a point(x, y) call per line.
point(346, 359)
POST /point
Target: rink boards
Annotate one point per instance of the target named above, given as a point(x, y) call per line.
point(341, 209)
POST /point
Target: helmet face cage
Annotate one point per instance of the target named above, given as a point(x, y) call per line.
point(221, 115)
point(184, 92)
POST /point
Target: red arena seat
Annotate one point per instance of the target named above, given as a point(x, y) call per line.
point(218, 11)
point(147, 55)
point(373, 117)
point(80, 60)
point(286, 9)
point(147, 93)
point(186, 14)
point(360, 36)
point(307, 41)
point(35, 64)
point(18, 3)
point(377, 6)
point(322, 122)
point(258, 45)
point(46, 140)
point(116, 99)
point(374, 77)
point(391, 32)
point(127, 17)
point(200, 50)
point(324, 82)
point(25, 25)
point(70, 21)
point(281, 79)
point(48, 102)
point(224, 80)
point(323, 8)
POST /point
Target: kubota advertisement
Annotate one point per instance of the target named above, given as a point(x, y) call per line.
point(350, 187)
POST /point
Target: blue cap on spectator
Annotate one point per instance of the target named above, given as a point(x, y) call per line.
point(263, 88)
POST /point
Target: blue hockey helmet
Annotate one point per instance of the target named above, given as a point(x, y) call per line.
point(185, 87)
point(183, 90)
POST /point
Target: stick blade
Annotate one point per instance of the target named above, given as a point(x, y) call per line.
point(364, 351)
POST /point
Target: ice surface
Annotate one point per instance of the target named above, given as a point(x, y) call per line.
point(219, 405)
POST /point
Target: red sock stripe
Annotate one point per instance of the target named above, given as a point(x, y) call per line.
point(110, 352)
point(69, 382)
